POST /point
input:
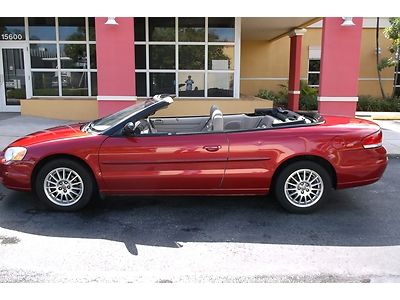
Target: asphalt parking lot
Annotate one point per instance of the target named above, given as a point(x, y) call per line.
point(355, 237)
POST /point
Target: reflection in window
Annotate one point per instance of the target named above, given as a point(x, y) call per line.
point(45, 83)
point(314, 65)
point(74, 83)
point(13, 26)
point(43, 29)
point(162, 83)
point(162, 29)
point(220, 85)
point(93, 83)
point(191, 57)
point(220, 57)
point(191, 84)
point(140, 56)
point(73, 56)
point(313, 72)
point(44, 56)
point(93, 61)
point(72, 29)
point(140, 32)
point(221, 29)
point(313, 79)
point(191, 29)
point(92, 29)
point(162, 57)
point(141, 84)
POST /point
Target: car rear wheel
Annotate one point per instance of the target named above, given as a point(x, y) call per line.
point(64, 185)
point(303, 186)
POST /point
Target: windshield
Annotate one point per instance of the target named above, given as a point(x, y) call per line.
point(112, 120)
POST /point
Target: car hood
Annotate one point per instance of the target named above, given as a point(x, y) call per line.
point(51, 134)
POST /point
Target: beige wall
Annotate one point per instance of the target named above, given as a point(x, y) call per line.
point(85, 110)
point(63, 109)
point(202, 107)
point(265, 65)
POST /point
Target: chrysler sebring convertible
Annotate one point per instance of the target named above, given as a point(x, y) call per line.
point(299, 157)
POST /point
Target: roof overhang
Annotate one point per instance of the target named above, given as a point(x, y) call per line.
point(273, 28)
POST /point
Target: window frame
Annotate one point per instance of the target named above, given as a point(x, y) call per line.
point(236, 59)
point(88, 70)
point(313, 72)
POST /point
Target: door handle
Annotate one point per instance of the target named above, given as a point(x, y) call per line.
point(212, 148)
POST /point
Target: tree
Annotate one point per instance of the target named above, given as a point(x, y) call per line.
point(377, 52)
point(393, 33)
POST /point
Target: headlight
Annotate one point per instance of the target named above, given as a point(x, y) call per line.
point(14, 153)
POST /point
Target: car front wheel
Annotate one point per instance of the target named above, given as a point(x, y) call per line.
point(64, 185)
point(302, 186)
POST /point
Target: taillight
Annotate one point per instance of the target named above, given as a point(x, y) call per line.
point(373, 140)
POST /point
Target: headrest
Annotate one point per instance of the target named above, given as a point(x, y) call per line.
point(213, 108)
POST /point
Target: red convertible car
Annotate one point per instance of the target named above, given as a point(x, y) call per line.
point(299, 157)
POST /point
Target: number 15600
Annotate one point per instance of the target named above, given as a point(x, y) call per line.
point(11, 36)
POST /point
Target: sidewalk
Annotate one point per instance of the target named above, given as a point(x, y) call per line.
point(13, 126)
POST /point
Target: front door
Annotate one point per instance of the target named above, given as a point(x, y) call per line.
point(164, 164)
point(13, 77)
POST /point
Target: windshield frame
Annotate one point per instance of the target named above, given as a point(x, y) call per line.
point(133, 112)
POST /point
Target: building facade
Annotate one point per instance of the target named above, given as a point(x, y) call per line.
point(82, 68)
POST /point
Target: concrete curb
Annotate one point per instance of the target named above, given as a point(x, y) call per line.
point(383, 116)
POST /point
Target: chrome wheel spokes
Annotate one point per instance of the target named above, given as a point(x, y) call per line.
point(63, 186)
point(304, 187)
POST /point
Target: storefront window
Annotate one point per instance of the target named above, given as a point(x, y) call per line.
point(72, 29)
point(313, 72)
point(73, 56)
point(221, 29)
point(12, 29)
point(191, 29)
point(92, 29)
point(141, 89)
point(44, 56)
point(161, 83)
point(162, 57)
point(221, 57)
point(45, 83)
point(162, 29)
point(191, 57)
point(220, 85)
point(74, 83)
point(193, 66)
point(43, 29)
point(140, 31)
point(93, 61)
point(140, 57)
point(191, 84)
point(93, 81)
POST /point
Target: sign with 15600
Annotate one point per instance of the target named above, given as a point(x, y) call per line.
point(11, 36)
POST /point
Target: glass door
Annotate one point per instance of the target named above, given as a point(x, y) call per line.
point(12, 77)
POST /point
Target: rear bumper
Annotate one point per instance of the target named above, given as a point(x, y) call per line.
point(361, 167)
point(15, 175)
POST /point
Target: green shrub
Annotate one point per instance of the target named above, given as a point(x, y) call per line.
point(308, 96)
point(369, 103)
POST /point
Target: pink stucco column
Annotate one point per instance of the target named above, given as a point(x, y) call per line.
point(340, 66)
point(115, 52)
point(296, 37)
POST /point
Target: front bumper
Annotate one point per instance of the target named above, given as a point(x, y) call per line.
point(15, 175)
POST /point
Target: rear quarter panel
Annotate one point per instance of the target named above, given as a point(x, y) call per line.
point(254, 156)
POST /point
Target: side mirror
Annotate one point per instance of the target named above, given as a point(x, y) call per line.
point(131, 129)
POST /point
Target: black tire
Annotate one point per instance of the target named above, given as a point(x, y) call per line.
point(85, 182)
point(289, 198)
